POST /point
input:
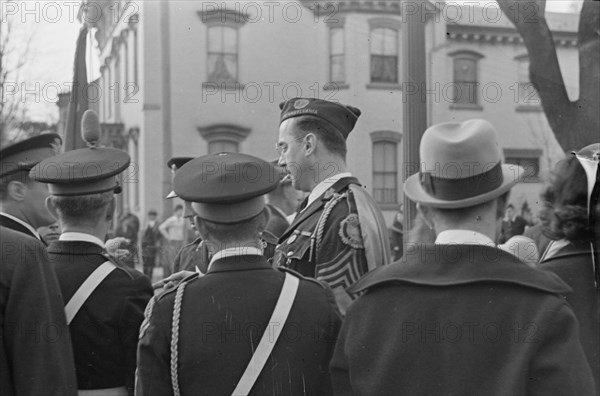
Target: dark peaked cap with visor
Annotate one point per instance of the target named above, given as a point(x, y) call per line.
point(175, 163)
point(341, 117)
point(226, 187)
point(90, 170)
point(25, 154)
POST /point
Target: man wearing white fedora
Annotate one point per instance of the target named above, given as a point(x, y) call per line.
point(460, 316)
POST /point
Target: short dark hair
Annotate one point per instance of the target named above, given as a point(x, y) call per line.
point(567, 199)
point(327, 133)
point(78, 207)
point(510, 206)
point(231, 233)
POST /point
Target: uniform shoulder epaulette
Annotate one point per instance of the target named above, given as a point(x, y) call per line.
point(173, 289)
point(302, 277)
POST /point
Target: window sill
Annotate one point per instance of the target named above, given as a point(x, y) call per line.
point(529, 108)
point(228, 86)
point(464, 106)
point(332, 86)
point(386, 86)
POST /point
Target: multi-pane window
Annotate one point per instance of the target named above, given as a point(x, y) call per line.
point(385, 172)
point(337, 64)
point(222, 54)
point(466, 82)
point(384, 55)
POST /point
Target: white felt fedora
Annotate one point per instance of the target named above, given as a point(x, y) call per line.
point(461, 166)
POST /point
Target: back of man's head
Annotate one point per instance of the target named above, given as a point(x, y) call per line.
point(82, 210)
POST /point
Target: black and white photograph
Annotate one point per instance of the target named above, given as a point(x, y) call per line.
point(299, 197)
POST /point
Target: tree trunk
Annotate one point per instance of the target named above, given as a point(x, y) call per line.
point(575, 123)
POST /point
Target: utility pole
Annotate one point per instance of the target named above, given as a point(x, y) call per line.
point(414, 104)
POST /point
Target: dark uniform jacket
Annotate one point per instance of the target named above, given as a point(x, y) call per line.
point(35, 348)
point(573, 263)
point(105, 330)
point(274, 229)
point(13, 225)
point(223, 316)
point(191, 256)
point(460, 320)
point(334, 252)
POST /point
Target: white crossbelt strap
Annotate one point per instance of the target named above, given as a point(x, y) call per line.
point(269, 338)
point(86, 289)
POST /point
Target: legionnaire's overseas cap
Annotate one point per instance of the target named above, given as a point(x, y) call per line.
point(341, 117)
point(227, 187)
point(174, 164)
point(22, 156)
point(84, 171)
point(461, 166)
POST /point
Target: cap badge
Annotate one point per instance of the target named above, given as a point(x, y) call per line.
point(301, 103)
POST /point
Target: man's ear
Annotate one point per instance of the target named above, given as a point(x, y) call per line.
point(51, 207)
point(310, 144)
point(17, 190)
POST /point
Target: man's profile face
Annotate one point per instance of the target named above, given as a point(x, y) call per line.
point(35, 204)
point(291, 155)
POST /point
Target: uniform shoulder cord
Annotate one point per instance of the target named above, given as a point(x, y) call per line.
point(175, 338)
point(317, 236)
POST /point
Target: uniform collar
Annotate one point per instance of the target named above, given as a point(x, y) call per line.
point(455, 265)
point(235, 252)
point(81, 237)
point(466, 237)
point(238, 259)
point(24, 224)
point(324, 186)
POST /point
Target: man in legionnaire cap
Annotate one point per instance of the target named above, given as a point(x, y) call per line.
point(244, 327)
point(339, 234)
point(460, 316)
point(22, 205)
point(104, 301)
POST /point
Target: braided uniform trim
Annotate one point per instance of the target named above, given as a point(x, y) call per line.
point(175, 338)
point(337, 198)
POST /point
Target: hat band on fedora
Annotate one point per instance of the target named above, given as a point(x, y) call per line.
point(462, 188)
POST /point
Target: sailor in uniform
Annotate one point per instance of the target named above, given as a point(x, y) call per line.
point(244, 327)
point(104, 300)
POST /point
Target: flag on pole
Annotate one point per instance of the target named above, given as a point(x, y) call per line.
point(78, 101)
